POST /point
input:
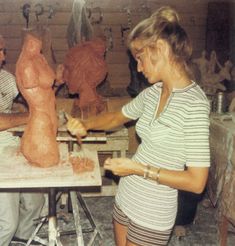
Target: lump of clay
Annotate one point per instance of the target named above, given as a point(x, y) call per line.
point(81, 164)
point(84, 70)
point(34, 79)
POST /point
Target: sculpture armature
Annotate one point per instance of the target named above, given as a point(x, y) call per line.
point(35, 78)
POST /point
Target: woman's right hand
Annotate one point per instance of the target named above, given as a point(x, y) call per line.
point(75, 126)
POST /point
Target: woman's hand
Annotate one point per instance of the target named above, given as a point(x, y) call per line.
point(75, 126)
point(123, 166)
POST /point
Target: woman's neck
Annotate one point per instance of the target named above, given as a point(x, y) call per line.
point(176, 79)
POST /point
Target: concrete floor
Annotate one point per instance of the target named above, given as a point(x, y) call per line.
point(202, 233)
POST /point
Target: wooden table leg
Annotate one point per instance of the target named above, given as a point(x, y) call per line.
point(223, 231)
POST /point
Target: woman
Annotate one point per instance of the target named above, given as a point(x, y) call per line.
point(173, 126)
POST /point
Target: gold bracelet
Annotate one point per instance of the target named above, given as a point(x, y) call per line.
point(158, 175)
point(146, 172)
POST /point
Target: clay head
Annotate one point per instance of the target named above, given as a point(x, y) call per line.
point(32, 44)
point(84, 64)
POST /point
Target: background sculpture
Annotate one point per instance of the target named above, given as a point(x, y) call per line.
point(35, 79)
point(212, 74)
point(84, 70)
point(202, 64)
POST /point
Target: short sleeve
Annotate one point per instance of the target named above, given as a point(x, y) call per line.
point(196, 132)
point(134, 109)
point(8, 91)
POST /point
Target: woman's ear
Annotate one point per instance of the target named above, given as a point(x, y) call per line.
point(162, 47)
point(159, 49)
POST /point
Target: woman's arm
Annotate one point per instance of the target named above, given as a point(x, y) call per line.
point(105, 121)
point(12, 120)
point(193, 179)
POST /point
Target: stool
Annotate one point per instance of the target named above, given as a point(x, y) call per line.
point(53, 232)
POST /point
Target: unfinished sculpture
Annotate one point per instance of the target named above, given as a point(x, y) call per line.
point(213, 73)
point(35, 78)
point(213, 65)
point(202, 64)
point(84, 70)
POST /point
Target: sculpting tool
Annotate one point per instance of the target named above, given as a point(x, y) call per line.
point(79, 138)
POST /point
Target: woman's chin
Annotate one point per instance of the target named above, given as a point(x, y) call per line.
point(152, 81)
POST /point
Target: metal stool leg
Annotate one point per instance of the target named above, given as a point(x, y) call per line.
point(33, 236)
point(90, 218)
point(53, 233)
point(77, 220)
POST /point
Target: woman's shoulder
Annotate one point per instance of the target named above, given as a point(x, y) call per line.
point(197, 94)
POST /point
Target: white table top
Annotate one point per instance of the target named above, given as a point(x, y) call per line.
point(16, 172)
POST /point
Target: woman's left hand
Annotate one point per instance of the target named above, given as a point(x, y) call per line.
point(123, 166)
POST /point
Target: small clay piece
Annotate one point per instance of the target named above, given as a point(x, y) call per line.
point(35, 79)
point(81, 164)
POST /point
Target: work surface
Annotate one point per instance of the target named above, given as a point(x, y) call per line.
point(16, 172)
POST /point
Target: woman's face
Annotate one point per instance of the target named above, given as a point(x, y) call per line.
point(145, 63)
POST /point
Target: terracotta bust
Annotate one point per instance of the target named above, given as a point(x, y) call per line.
point(35, 78)
point(84, 70)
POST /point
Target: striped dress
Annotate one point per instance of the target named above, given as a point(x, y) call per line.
point(178, 137)
point(8, 92)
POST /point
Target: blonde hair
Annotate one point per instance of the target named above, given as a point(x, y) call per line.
point(163, 24)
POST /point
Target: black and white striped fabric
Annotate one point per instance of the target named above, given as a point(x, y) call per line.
point(178, 137)
point(8, 92)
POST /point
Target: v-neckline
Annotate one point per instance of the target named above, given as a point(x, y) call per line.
point(156, 116)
